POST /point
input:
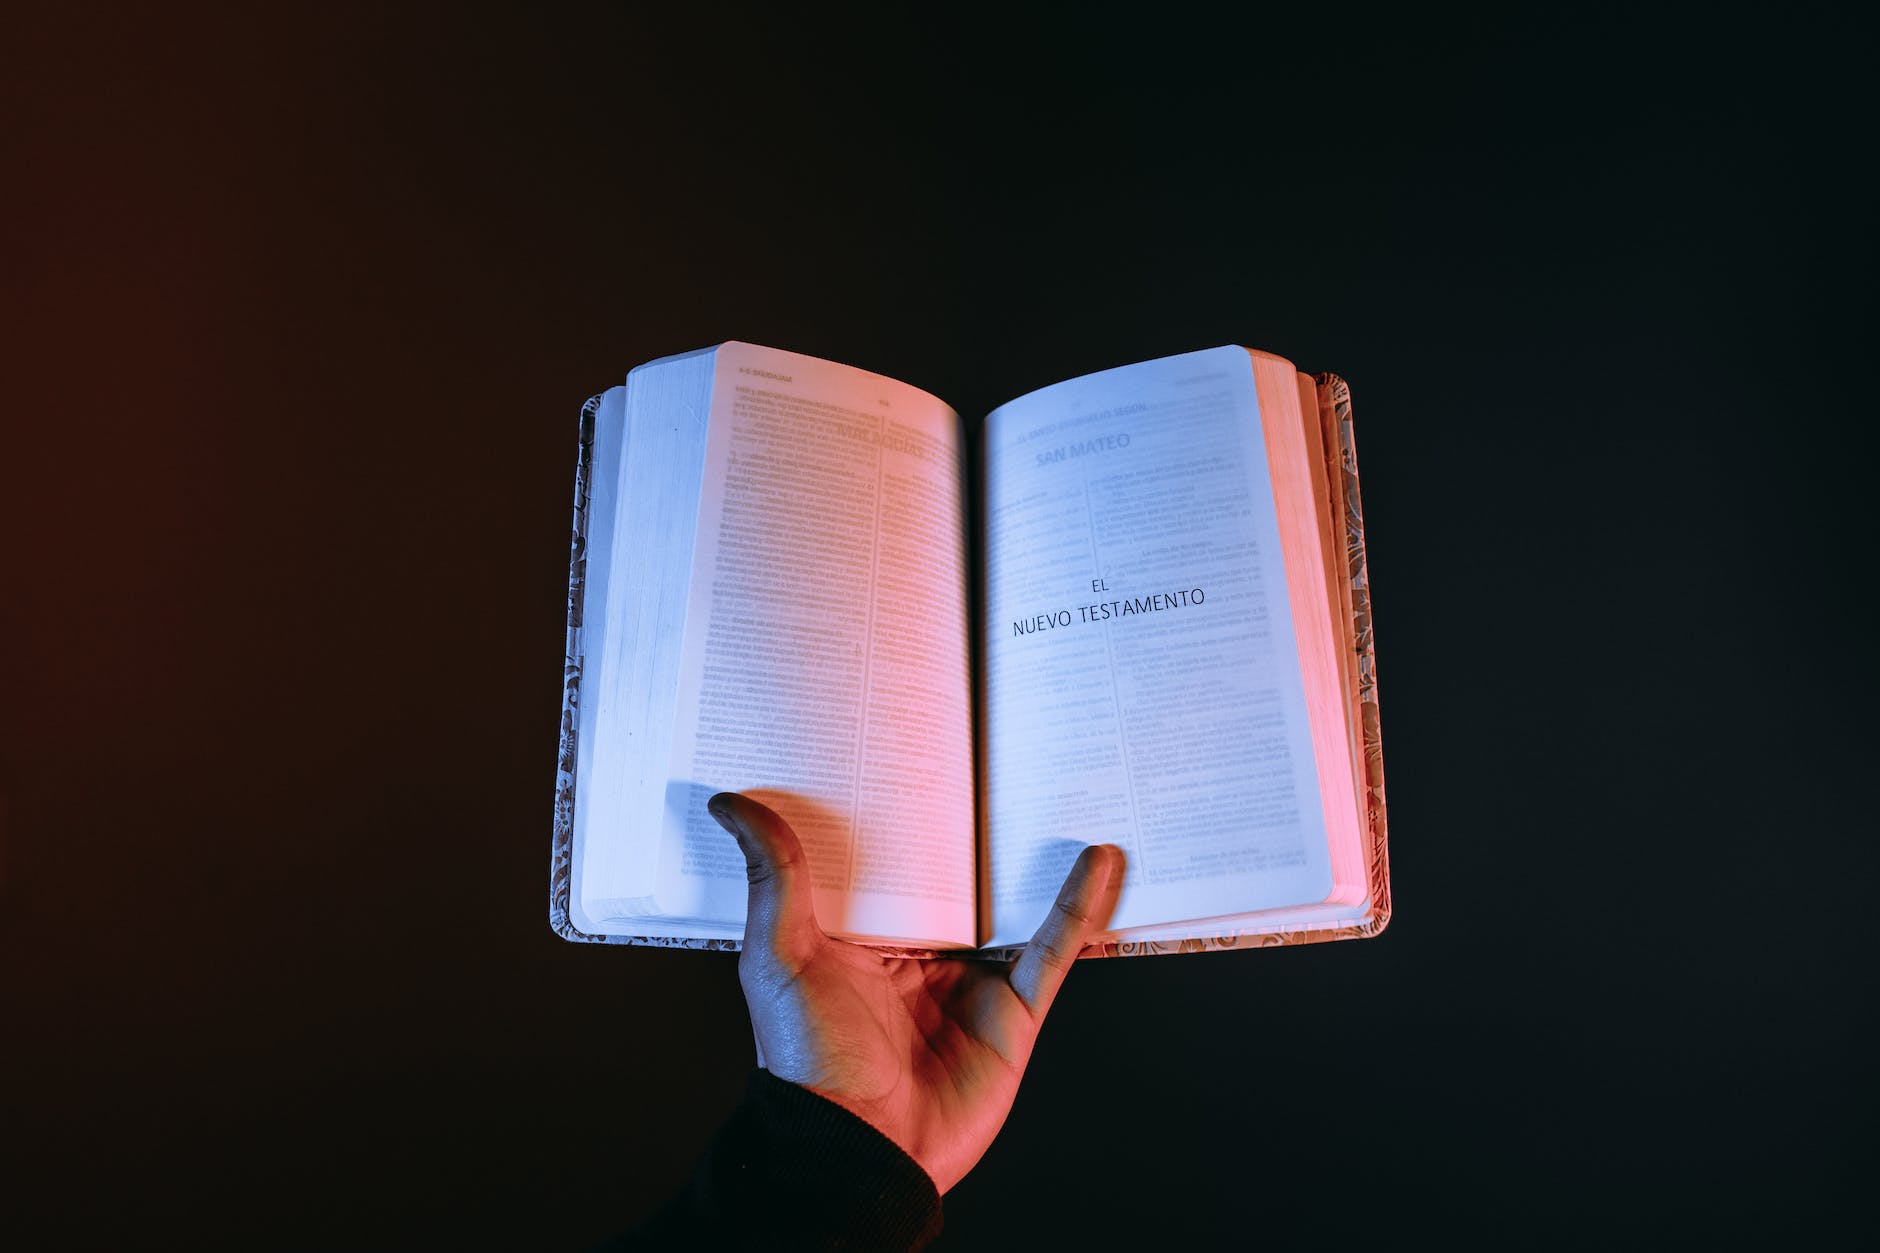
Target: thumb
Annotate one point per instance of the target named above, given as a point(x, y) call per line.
point(1082, 909)
point(781, 916)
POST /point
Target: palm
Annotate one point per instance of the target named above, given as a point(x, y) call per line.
point(928, 1052)
point(935, 1048)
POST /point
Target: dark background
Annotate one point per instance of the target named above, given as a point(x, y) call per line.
point(300, 308)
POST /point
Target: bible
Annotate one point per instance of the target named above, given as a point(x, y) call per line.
point(1129, 608)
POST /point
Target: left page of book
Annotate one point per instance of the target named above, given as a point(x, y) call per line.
point(823, 666)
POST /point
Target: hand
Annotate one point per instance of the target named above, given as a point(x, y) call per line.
point(927, 1052)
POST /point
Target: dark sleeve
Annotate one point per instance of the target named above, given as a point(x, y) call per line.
point(794, 1170)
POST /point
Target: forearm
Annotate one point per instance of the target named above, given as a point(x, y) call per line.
point(791, 1169)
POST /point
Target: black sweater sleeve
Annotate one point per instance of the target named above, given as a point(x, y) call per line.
point(794, 1170)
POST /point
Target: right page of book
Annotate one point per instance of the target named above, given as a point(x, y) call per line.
point(1142, 684)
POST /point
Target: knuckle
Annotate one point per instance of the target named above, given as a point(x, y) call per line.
point(769, 867)
point(765, 965)
point(757, 966)
point(1053, 952)
point(1071, 910)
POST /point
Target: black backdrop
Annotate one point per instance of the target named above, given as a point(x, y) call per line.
point(300, 308)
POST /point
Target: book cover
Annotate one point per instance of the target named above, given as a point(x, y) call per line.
point(1334, 405)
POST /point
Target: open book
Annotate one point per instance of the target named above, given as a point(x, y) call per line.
point(1130, 609)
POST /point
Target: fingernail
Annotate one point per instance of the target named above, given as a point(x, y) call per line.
point(719, 807)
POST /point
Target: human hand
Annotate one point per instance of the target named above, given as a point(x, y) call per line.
point(929, 1053)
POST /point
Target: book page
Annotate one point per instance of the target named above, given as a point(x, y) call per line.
point(1142, 684)
point(642, 515)
point(825, 663)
